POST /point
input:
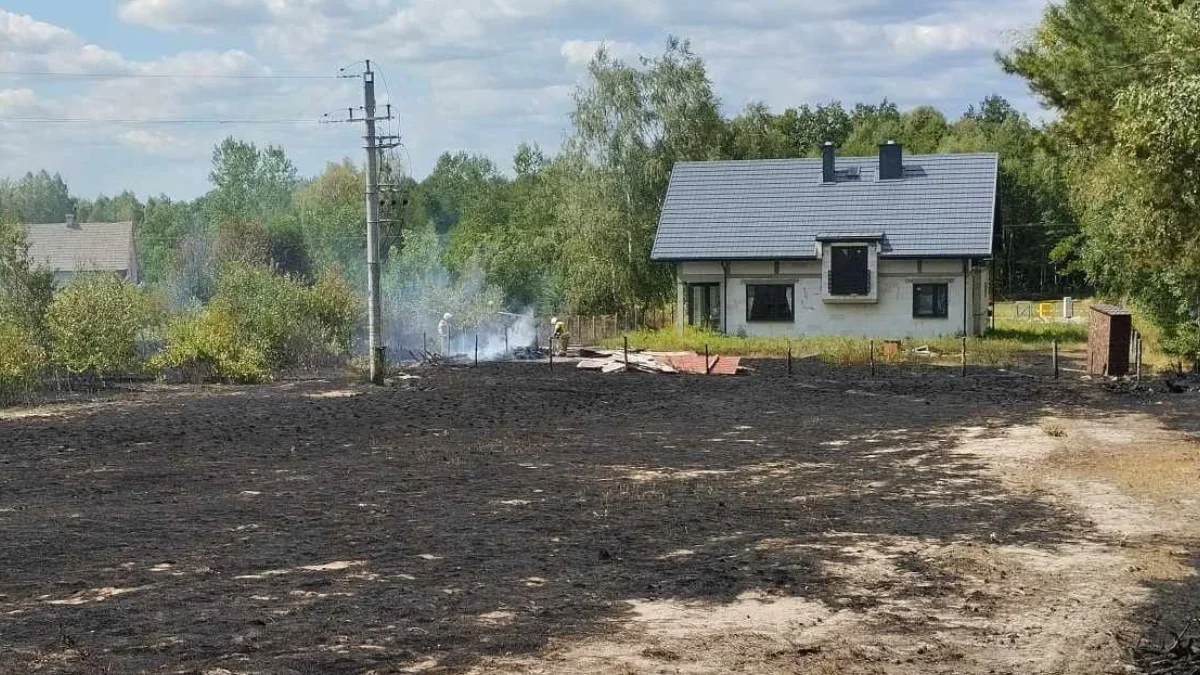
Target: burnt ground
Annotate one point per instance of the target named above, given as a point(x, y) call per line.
point(327, 527)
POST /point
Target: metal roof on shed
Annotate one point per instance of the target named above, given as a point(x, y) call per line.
point(774, 209)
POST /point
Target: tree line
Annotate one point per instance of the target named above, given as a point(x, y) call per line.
point(572, 231)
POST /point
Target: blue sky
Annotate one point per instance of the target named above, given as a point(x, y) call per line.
point(475, 75)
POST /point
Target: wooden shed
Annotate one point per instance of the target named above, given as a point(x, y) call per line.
point(1110, 332)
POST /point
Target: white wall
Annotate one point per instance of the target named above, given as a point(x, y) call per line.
point(889, 317)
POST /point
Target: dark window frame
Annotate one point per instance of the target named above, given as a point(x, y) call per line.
point(850, 283)
point(789, 290)
point(941, 305)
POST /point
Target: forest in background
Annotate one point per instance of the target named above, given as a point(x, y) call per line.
point(1103, 196)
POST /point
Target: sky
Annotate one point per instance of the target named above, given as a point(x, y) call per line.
point(144, 81)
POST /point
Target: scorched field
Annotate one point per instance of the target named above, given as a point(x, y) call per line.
point(516, 519)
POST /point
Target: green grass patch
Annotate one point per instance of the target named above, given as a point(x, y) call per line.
point(1011, 349)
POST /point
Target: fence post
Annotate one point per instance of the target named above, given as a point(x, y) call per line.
point(706, 359)
point(1054, 358)
point(789, 361)
point(594, 339)
point(626, 341)
point(1137, 355)
point(964, 356)
point(477, 350)
point(872, 358)
point(424, 345)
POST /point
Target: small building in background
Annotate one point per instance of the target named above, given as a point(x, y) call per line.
point(891, 246)
point(1110, 333)
point(69, 248)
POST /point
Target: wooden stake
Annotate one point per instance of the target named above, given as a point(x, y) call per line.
point(1137, 355)
point(789, 357)
point(477, 350)
point(872, 358)
point(706, 367)
point(1054, 358)
point(626, 340)
point(964, 356)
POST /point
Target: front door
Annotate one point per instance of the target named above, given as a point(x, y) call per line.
point(704, 306)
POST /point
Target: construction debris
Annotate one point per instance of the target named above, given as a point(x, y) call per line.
point(615, 362)
point(657, 362)
point(426, 358)
point(534, 353)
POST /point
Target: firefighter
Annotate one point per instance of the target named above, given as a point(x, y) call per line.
point(444, 329)
point(558, 336)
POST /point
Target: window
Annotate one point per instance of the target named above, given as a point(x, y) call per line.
point(931, 301)
point(704, 305)
point(848, 271)
point(770, 302)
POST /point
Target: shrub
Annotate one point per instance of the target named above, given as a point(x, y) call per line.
point(270, 309)
point(94, 323)
point(336, 309)
point(21, 360)
point(260, 322)
point(212, 345)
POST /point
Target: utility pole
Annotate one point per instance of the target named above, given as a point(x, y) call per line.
point(374, 144)
point(374, 314)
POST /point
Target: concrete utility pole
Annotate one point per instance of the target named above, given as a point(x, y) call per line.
point(374, 314)
point(374, 144)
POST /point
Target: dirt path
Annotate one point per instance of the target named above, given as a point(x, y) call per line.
point(1001, 606)
point(514, 519)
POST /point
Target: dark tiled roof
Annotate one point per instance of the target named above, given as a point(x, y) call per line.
point(775, 209)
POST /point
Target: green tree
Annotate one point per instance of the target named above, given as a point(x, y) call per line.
point(456, 182)
point(756, 133)
point(248, 183)
point(1123, 78)
point(35, 198)
point(25, 290)
point(94, 324)
point(631, 126)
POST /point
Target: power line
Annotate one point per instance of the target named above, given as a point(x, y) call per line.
point(158, 76)
point(87, 120)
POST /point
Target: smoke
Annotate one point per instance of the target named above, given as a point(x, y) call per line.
point(417, 291)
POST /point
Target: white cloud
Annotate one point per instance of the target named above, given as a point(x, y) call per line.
point(194, 14)
point(16, 100)
point(579, 53)
point(20, 32)
point(477, 75)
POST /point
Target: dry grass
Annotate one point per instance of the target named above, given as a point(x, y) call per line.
point(1159, 471)
point(1054, 429)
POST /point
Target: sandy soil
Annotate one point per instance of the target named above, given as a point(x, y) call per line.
point(513, 519)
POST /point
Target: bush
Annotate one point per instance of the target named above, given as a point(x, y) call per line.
point(21, 360)
point(336, 309)
point(212, 345)
point(94, 323)
point(260, 322)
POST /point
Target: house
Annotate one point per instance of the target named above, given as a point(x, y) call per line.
point(70, 247)
point(892, 246)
